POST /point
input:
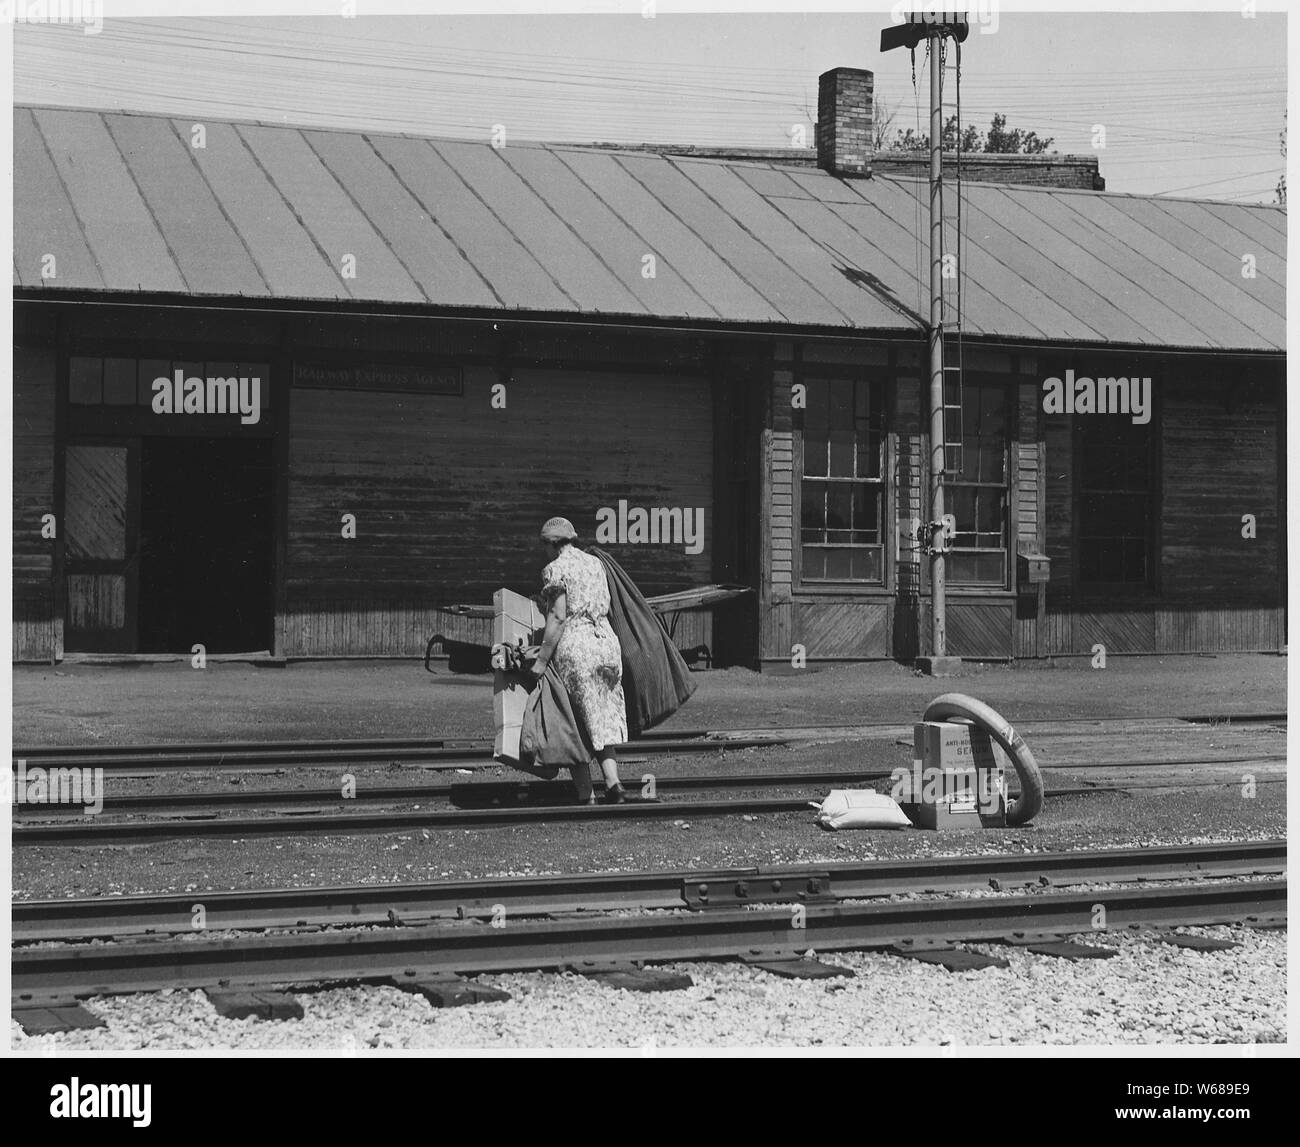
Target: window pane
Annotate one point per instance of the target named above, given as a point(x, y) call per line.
point(814, 455)
point(119, 381)
point(988, 511)
point(993, 460)
point(866, 509)
point(869, 442)
point(839, 505)
point(842, 453)
point(150, 369)
point(977, 567)
point(812, 512)
point(960, 503)
point(85, 380)
point(814, 563)
point(841, 403)
point(866, 564)
point(814, 417)
point(839, 565)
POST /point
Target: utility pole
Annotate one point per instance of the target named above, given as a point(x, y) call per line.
point(938, 570)
point(934, 28)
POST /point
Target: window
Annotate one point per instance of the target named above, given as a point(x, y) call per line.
point(977, 495)
point(105, 381)
point(1116, 500)
point(842, 491)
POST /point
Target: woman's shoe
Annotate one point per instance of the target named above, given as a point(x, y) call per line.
point(616, 794)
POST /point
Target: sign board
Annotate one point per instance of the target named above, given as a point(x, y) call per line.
point(411, 378)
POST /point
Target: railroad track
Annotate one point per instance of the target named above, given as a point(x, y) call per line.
point(408, 955)
point(72, 829)
point(453, 753)
point(409, 904)
point(506, 793)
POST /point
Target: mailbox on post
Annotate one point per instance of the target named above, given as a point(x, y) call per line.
point(1035, 569)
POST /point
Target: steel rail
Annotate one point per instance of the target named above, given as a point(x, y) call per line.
point(260, 909)
point(81, 831)
point(511, 793)
point(235, 758)
point(91, 832)
point(44, 972)
point(468, 748)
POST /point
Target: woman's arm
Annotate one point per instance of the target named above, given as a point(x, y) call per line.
point(555, 619)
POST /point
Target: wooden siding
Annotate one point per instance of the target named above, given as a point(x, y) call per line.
point(449, 495)
point(95, 502)
point(978, 628)
point(840, 629)
point(1216, 591)
point(96, 601)
point(1219, 453)
point(36, 630)
point(910, 484)
point(1030, 457)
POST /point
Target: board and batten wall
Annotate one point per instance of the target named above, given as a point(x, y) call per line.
point(849, 622)
point(829, 622)
point(449, 495)
point(37, 626)
point(1219, 428)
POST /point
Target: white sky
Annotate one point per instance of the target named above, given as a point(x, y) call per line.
point(1192, 103)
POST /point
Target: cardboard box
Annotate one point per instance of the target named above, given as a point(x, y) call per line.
point(958, 778)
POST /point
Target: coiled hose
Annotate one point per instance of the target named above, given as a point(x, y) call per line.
point(963, 708)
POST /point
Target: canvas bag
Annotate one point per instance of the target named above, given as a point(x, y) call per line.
point(551, 734)
point(656, 679)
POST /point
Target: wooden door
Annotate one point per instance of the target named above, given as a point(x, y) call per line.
point(100, 543)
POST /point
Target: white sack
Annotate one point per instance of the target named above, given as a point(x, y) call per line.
point(859, 808)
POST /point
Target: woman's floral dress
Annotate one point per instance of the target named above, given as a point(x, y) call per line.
point(588, 658)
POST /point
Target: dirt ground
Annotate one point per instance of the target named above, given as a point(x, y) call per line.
point(171, 702)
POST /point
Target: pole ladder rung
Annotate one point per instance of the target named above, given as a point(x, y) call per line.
point(953, 429)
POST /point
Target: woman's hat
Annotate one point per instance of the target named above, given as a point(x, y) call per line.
point(558, 530)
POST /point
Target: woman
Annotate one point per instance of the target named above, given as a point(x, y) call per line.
point(586, 653)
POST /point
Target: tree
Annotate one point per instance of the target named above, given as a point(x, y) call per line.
point(1280, 190)
point(998, 141)
point(882, 123)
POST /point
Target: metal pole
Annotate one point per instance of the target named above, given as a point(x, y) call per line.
point(938, 622)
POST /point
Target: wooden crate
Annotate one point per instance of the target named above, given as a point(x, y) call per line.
point(514, 617)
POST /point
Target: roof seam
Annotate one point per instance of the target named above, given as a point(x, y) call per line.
point(504, 225)
point(1185, 283)
point(311, 235)
point(72, 203)
point(153, 218)
point(1074, 276)
point(766, 247)
point(221, 207)
point(428, 210)
point(707, 245)
point(571, 229)
point(369, 222)
point(636, 231)
point(1029, 323)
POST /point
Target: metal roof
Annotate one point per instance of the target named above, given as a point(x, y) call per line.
point(127, 203)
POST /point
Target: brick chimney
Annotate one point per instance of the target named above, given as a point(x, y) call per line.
point(844, 113)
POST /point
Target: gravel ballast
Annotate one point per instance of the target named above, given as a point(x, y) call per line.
point(1150, 993)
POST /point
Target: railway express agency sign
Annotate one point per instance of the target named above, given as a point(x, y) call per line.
point(415, 378)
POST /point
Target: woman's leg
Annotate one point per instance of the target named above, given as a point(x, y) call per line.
point(581, 775)
point(609, 766)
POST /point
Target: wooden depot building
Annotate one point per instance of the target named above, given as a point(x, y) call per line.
point(295, 391)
